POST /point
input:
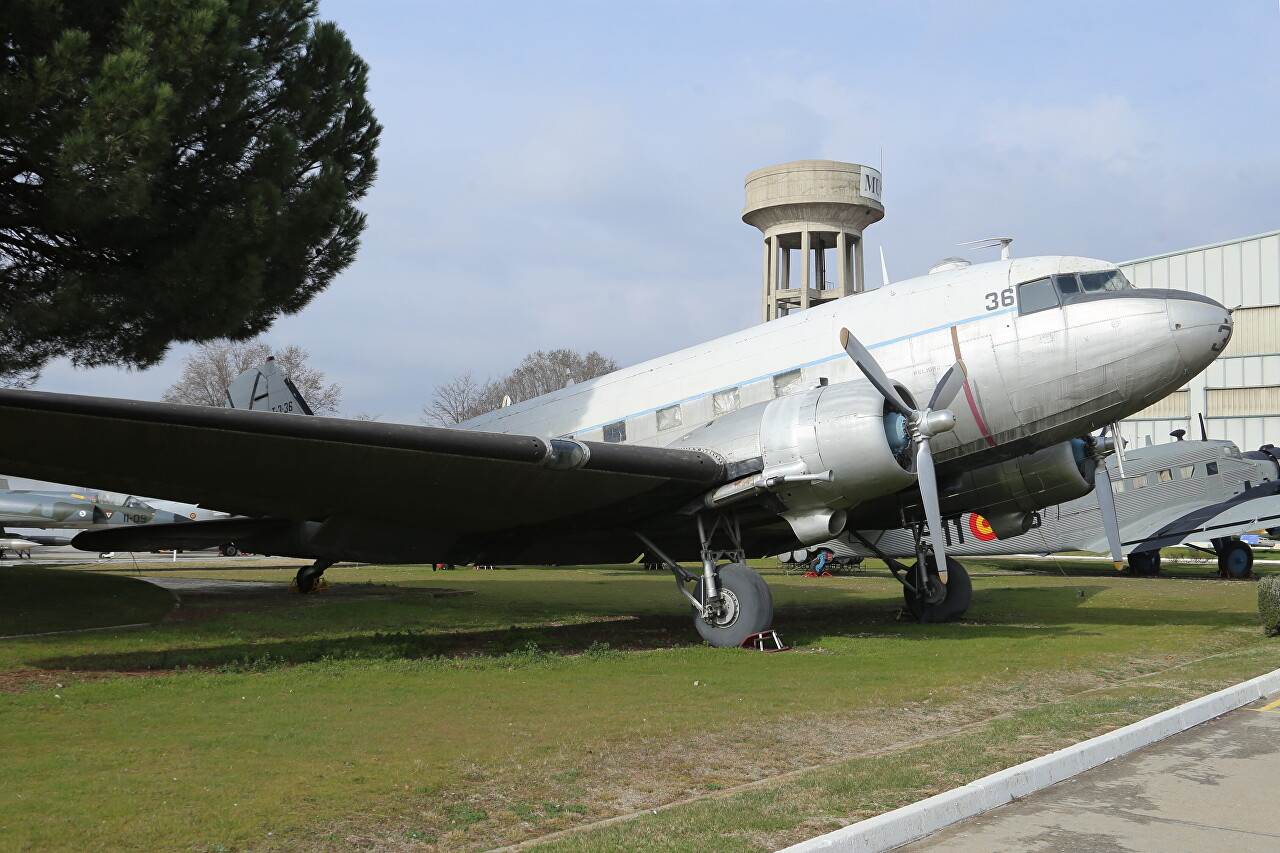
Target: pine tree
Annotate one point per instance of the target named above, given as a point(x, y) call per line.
point(171, 170)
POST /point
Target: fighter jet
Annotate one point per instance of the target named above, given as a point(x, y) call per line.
point(1164, 495)
point(758, 442)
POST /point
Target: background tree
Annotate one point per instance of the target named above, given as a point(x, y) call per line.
point(171, 170)
point(208, 371)
point(538, 373)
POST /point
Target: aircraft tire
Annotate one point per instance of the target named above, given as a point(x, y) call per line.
point(750, 610)
point(1144, 564)
point(306, 578)
point(1235, 560)
point(959, 594)
point(229, 550)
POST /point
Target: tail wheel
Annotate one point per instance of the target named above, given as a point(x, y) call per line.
point(941, 603)
point(746, 607)
point(307, 577)
point(1235, 560)
point(1144, 563)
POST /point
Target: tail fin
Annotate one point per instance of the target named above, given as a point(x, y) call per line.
point(266, 388)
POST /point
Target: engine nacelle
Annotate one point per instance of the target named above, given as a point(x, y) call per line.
point(822, 451)
point(1013, 489)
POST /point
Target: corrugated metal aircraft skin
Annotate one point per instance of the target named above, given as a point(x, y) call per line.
point(1171, 493)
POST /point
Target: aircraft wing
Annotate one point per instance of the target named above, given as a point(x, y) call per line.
point(414, 489)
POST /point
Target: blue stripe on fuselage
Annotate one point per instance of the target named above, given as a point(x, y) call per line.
point(829, 358)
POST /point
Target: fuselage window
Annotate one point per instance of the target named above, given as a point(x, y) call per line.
point(1165, 476)
point(724, 402)
point(1186, 472)
point(1211, 468)
point(1037, 296)
point(786, 383)
point(1139, 482)
point(670, 418)
point(615, 432)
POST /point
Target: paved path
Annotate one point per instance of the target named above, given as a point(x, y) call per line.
point(1211, 788)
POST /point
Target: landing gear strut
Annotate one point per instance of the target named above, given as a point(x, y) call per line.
point(308, 576)
point(927, 598)
point(730, 601)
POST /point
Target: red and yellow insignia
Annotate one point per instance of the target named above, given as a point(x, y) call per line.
point(981, 528)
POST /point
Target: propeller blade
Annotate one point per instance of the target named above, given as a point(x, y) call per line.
point(871, 369)
point(928, 483)
point(948, 387)
point(1107, 506)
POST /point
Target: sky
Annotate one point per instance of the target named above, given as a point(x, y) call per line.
point(570, 174)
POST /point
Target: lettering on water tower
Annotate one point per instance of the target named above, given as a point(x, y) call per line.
point(870, 183)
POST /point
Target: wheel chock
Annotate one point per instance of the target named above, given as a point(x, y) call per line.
point(760, 642)
point(321, 585)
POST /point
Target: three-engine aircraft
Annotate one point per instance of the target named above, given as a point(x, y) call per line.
point(746, 446)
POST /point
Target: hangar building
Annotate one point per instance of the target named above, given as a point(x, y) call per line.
point(1239, 394)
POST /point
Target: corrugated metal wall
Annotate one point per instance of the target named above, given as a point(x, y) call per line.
point(1239, 394)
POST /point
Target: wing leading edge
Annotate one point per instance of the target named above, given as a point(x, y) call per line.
point(420, 491)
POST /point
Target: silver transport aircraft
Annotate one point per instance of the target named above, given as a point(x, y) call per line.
point(758, 442)
point(1164, 495)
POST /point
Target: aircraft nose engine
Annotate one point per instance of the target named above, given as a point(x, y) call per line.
point(1201, 328)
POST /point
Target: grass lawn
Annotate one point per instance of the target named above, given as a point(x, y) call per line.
point(40, 599)
point(383, 717)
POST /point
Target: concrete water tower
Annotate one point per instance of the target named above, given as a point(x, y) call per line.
point(819, 209)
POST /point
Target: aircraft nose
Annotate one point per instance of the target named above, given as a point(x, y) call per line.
point(1201, 327)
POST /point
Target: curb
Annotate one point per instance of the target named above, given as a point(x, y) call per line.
point(913, 822)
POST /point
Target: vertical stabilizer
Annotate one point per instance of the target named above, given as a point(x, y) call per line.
point(266, 388)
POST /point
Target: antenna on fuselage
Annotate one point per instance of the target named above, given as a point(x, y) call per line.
point(884, 270)
point(991, 243)
point(1204, 433)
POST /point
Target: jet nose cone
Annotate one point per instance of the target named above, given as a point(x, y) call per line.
point(1201, 328)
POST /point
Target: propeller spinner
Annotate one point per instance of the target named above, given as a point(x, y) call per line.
point(922, 425)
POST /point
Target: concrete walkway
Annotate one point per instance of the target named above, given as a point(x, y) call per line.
point(1210, 788)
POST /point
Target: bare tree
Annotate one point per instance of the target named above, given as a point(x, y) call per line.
point(208, 371)
point(538, 373)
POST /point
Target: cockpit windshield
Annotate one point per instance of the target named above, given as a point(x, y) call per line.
point(1052, 291)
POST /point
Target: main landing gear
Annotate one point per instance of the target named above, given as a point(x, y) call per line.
point(926, 597)
point(310, 578)
point(1235, 558)
point(730, 602)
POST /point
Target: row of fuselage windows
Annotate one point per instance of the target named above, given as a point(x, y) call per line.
point(1168, 475)
point(1048, 292)
point(723, 402)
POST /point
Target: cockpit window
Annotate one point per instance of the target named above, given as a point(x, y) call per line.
point(1037, 296)
point(1067, 284)
point(1097, 282)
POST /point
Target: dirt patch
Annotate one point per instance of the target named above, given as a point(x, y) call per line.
point(24, 680)
point(208, 599)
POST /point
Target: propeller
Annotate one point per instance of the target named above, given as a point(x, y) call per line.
point(1107, 498)
point(922, 425)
